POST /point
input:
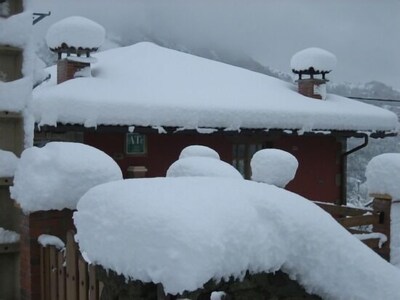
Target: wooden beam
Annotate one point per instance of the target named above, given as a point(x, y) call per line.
point(359, 220)
point(343, 210)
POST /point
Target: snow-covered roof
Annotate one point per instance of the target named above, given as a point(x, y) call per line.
point(75, 32)
point(317, 58)
point(182, 232)
point(148, 85)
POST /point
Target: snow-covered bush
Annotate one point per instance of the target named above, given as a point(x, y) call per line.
point(198, 151)
point(383, 175)
point(57, 175)
point(273, 166)
point(202, 166)
point(202, 161)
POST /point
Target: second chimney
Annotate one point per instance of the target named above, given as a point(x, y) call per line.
point(312, 65)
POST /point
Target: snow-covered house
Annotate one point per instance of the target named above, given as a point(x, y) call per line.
point(143, 104)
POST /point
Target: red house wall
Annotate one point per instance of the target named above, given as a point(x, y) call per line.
point(319, 160)
point(163, 149)
point(318, 175)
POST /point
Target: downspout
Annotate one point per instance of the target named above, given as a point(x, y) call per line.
point(344, 166)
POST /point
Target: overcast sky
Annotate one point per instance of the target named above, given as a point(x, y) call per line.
point(363, 34)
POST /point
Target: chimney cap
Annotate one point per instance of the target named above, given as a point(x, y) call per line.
point(75, 34)
point(313, 61)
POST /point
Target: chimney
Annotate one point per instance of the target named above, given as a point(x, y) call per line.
point(312, 65)
point(74, 39)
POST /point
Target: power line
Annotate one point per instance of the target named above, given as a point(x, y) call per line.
point(375, 99)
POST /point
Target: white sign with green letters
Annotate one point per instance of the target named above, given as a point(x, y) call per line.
point(135, 143)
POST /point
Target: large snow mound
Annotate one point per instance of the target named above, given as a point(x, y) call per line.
point(202, 166)
point(75, 32)
point(199, 150)
point(57, 175)
point(148, 85)
point(317, 58)
point(182, 232)
point(273, 166)
point(8, 163)
point(382, 174)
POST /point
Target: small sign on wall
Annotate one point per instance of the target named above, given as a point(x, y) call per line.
point(135, 144)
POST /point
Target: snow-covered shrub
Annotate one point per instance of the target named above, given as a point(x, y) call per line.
point(273, 166)
point(197, 160)
point(57, 175)
point(383, 175)
point(202, 166)
point(198, 151)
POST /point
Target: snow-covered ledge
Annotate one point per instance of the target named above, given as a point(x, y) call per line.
point(382, 181)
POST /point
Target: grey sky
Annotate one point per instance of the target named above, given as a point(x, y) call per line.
point(364, 34)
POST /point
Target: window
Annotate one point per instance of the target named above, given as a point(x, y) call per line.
point(242, 154)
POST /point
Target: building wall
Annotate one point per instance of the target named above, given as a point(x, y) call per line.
point(163, 149)
point(11, 139)
point(319, 173)
point(318, 176)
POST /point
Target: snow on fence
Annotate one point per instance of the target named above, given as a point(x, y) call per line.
point(352, 218)
point(65, 275)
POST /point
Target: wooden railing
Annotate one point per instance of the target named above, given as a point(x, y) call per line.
point(353, 218)
point(65, 275)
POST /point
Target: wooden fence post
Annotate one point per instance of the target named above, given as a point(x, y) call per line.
point(61, 276)
point(382, 204)
point(72, 267)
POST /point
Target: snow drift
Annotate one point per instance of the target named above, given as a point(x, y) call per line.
point(182, 232)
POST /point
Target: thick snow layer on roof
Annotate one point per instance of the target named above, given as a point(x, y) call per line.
point(8, 163)
point(75, 32)
point(198, 151)
point(273, 166)
point(8, 236)
point(148, 85)
point(184, 231)
point(202, 166)
point(57, 175)
point(382, 175)
point(317, 58)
